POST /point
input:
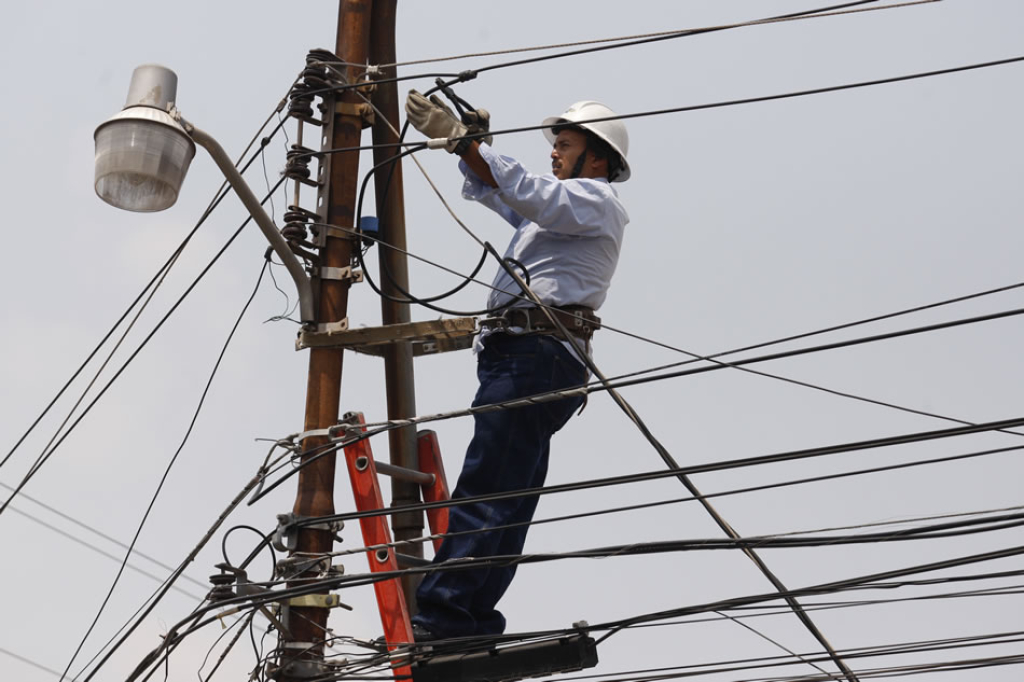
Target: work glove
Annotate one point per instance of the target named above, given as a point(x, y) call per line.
point(434, 119)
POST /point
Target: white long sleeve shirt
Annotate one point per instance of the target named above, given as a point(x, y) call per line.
point(568, 232)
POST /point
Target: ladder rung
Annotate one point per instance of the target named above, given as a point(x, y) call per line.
point(403, 474)
point(408, 561)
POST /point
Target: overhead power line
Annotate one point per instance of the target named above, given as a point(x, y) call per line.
point(763, 98)
point(641, 38)
point(170, 464)
point(218, 197)
point(721, 465)
point(74, 538)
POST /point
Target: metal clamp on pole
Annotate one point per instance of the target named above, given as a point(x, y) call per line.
point(318, 601)
point(346, 274)
point(286, 534)
point(360, 109)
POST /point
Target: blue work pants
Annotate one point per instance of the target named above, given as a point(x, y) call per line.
point(509, 451)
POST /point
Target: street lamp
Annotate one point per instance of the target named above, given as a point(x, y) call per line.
point(143, 154)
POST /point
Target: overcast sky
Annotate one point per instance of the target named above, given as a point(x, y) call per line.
point(748, 223)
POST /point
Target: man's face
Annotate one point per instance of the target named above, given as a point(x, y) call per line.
point(567, 148)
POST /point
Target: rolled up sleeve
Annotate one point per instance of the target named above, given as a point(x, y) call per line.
point(477, 190)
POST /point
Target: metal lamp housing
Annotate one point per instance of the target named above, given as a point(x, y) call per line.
point(143, 153)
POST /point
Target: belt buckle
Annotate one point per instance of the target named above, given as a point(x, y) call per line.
point(511, 316)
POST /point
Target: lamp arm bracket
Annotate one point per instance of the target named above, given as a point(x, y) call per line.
point(259, 215)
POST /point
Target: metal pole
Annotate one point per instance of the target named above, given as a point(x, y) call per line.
point(398, 357)
point(307, 626)
point(260, 216)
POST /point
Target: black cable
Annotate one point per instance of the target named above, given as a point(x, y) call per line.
point(132, 357)
point(167, 470)
point(858, 582)
point(109, 555)
point(209, 652)
point(748, 612)
point(80, 524)
point(722, 465)
point(764, 98)
point(680, 34)
point(408, 297)
point(45, 456)
point(720, 493)
point(616, 384)
point(218, 197)
point(863, 652)
point(816, 332)
point(224, 548)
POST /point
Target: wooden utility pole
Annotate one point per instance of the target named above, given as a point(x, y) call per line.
point(394, 270)
point(307, 624)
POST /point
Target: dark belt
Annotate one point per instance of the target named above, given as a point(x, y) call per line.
point(579, 320)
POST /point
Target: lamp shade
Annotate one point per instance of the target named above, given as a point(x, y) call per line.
point(142, 156)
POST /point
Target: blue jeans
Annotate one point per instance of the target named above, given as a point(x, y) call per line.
point(509, 451)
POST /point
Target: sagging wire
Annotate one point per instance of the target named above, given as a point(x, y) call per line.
point(160, 275)
point(644, 38)
point(943, 530)
point(45, 456)
point(751, 612)
point(167, 470)
point(694, 355)
point(764, 662)
point(764, 98)
point(144, 612)
point(721, 493)
point(200, 619)
point(247, 619)
point(721, 465)
point(392, 164)
point(381, 427)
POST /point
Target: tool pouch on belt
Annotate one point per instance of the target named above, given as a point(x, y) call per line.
point(580, 321)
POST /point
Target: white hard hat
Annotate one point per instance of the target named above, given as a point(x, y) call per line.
point(612, 132)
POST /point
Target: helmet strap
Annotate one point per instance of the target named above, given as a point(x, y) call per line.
point(578, 168)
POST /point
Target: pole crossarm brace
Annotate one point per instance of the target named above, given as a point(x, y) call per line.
point(427, 337)
point(266, 225)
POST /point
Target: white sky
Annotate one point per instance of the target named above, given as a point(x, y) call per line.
point(748, 224)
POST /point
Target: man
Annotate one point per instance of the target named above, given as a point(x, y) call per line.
point(568, 231)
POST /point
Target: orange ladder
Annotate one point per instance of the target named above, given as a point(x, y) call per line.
point(363, 472)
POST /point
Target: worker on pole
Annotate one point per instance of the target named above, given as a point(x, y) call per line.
point(569, 226)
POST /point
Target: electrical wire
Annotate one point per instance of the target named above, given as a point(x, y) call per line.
point(868, 581)
point(677, 33)
point(218, 197)
point(372, 429)
point(721, 465)
point(109, 555)
point(716, 494)
point(379, 427)
point(44, 457)
point(736, 665)
point(170, 465)
point(764, 98)
point(128, 628)
point(29, 661)
point(91, 529)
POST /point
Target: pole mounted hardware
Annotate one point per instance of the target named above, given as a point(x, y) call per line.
point(143, 155)
point(286, 534)
point(318, 601)
point(428, 337)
